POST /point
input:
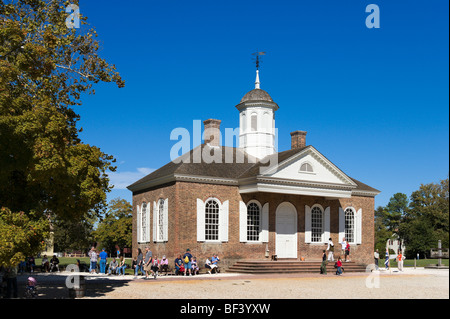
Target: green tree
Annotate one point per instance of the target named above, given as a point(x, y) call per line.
point(427, 220)
point(382, 232)
point(73, 235)
point(395, 210)
point(21, 235)
point(45, 68)
point(116, 226)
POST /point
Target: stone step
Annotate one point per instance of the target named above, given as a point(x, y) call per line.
point(266, 267)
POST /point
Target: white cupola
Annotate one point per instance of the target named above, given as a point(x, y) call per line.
point(257, 122)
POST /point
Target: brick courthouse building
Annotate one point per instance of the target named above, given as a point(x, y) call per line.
point(241, 202)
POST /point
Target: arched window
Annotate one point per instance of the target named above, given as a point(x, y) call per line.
point(316, 224)
point(144, 223)
point(211, 220)
point(254, 122)
point(349, 225)
point(161, 220)
point(306, 167)
point(253, 222)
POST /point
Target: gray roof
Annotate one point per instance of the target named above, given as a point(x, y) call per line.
point(238, 169)
point(257, 95)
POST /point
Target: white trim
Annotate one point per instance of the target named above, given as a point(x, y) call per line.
point(223, 221)
point(200, 220)
point(359, 227)
point(294, 252)
point(341, 224)
point(155, 220)
point(354, 225)
point(264, 236)
point(320, 158)
point(307, 224)
point(242, 222)
point(138, 224)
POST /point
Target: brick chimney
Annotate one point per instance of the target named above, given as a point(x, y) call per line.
point(298, 139)
point(211, 134)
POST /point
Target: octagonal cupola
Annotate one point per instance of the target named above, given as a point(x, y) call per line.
point(257, 122)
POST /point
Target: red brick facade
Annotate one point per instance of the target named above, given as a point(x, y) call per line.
point(182, 219)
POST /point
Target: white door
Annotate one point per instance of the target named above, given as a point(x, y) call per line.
point(286, 231)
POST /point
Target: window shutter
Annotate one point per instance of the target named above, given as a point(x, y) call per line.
point(147, 218)
point(242, 222)
point(223, 222)
point(166, 220)
point(155, 220)
point(307, 224)
point(138, 224)
point(200, 220)
point(358, 227)
point(327, 224)
point(341, 224)
point(265, 224)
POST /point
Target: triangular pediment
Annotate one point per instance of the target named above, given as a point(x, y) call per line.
point(309, 165)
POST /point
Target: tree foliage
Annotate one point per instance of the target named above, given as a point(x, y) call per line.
point(116, 227)
point(45, 67)
point(427, 220)
point(21, 235)
point(420, 221)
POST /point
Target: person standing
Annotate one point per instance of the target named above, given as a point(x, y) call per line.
point(330, 250)
point(376, 256)
point(400, 259)
point(139, 263)
point(323, 266)
point(347, 252)
point(343, 246)
point(386, 261)
point(103, 258)
point(93, 259)
point(147, 262)
point(187, 257)
point(11, 282)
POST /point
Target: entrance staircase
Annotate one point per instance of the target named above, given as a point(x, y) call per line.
point(289, 267)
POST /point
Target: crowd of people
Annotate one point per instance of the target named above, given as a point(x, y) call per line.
point(328, 256)
point(186, 264)
point(150, 266)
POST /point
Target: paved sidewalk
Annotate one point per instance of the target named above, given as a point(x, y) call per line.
point(411, 283)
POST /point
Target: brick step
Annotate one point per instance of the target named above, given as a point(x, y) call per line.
point(266, 267)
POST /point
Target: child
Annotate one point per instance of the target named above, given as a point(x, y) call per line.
point(30, 290)
point(339, 266)
point(194, 266)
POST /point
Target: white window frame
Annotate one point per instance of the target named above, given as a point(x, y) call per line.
point(143, 222)
point(300, 170)
point(322, 223)
point(222, 220)
point(259, 226)
point(308, 224)
point(161, 220)
point(357, 225)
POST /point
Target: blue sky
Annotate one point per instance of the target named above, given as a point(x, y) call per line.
point(373, 101)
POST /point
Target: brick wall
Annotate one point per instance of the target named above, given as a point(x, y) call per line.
point(183, 196)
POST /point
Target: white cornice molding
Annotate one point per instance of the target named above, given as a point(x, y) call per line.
point(320, 158)
point(206, 179)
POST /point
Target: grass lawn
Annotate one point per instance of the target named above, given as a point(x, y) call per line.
point(410, 262)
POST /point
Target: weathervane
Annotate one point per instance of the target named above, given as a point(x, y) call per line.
point(257, 59)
